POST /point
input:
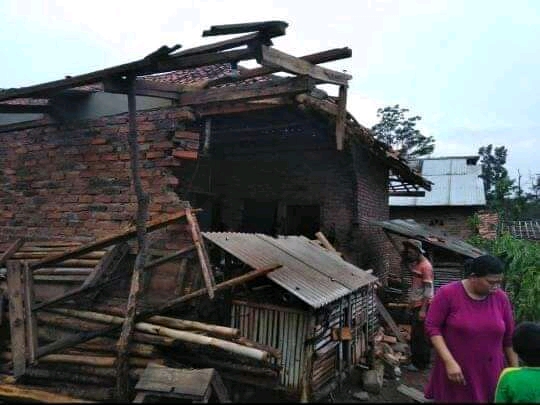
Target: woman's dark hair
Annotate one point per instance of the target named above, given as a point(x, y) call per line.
point(483, 265)
point(526, 343)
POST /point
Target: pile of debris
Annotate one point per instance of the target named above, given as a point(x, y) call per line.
point(67, 344)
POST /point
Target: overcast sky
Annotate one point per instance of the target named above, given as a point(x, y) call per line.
point(470, 69)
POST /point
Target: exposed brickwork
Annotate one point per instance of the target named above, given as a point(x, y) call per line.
point(452, 220)
point(371, 244)
point(488, 223)
point(73, 180)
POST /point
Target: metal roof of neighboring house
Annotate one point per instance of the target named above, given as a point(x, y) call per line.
point(309, 272)
point(409, 228)
point(456, 183)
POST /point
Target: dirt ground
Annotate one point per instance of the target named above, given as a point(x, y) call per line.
point(389, 392)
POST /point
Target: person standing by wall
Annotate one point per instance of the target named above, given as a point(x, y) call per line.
point(470, 324)
point(421, 293)
point(522, 384)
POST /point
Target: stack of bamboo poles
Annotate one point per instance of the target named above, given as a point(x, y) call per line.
point(87, 370)
point(67, 271)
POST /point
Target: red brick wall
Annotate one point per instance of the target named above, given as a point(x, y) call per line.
point(452, 220)
point(373, 247)
point(323, 177)
point(73, 180)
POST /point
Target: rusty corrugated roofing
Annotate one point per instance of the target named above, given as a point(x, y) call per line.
point(311, 273)
point(409, 228)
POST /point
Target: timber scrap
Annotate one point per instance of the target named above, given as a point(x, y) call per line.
point(63, 348)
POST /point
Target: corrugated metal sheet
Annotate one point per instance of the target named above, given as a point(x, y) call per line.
point(455, 184)
point(412, 229)
point(309, 272)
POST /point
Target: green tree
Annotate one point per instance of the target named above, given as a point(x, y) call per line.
point(401, 133)
point(497, 185)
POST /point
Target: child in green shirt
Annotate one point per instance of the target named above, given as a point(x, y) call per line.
point(522, 384)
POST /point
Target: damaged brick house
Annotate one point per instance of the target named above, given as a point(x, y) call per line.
point(257, 154)
point(256, 151)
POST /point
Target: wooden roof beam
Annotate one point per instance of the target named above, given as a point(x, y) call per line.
point(25, 109)
point(274, 28)
point(140, 67)
point(276, 59)
point(289, 86)
point(314, 58)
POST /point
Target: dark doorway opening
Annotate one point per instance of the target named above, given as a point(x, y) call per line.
point(259, 216)
point(303, 220)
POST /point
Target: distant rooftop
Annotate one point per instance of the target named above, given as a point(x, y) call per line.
point(456, 183)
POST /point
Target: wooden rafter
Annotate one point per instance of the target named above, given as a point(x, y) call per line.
point(314, 58)
point(24, 109)
point(276, 59)
point(140, 67)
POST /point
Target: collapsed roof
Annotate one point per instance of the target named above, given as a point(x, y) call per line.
point(209, 80)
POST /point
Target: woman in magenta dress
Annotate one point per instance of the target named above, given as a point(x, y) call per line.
point(470, 325)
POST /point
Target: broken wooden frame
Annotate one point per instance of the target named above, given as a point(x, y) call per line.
point(256, 46)
point(20, 286)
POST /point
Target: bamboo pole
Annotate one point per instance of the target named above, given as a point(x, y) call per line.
point(122, 366)
point(185, 336)
point(185, 324)
point(96, 361)
point(85, 336)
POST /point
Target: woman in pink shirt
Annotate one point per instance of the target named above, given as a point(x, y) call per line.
point(470, 325)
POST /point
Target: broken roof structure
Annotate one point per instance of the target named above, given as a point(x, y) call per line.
point(220, 94)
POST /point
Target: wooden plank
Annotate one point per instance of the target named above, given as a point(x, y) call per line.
point(198, 241)
point(34, 394)
point(313, 102)
point(24, 109)
point(389, 320)
point(272, 88)
point(107, 241)
point(80, 290)
point(221, 45)
point(320, 236)
point(16, 317)
point(274, 27)
point(30, 319)
point(341, 117)
point(108, 265)
point(314, 58)
point(219, 388)
point(11, 250)
point(280, 60)
point(413, 393)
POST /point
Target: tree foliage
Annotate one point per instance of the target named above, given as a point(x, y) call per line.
point(521, 274)
point(401, 133)
point(497, 184)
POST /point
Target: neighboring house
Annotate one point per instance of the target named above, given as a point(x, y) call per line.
point(456, 195)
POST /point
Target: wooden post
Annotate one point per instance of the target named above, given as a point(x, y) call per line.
point(341, 117)
point(16, 317)
point(11, 250)
point(307, 370)
point(201, 251)
point(122, 366)
point(30, 319)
